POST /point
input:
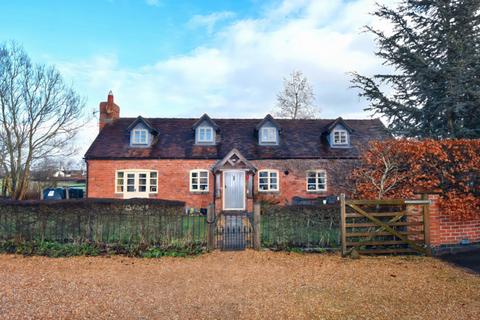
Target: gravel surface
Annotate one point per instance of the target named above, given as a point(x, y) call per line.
point(236, 285)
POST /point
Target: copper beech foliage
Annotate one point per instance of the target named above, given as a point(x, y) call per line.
point(400, 168)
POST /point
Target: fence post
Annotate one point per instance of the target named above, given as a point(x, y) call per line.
point(256, 226)
point(426, 224)
point(343, 228)
point(211, 227)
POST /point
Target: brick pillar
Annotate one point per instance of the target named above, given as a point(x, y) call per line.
point(435, 221)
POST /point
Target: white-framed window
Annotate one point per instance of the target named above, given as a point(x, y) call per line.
point(205, 134)
point(153, 181)
point(268, 135)
point(199, 180)
point(340, 137)
point(268, 180)
point(139, 136)
point(119, 182)
point(136, 181)
point(317, 180)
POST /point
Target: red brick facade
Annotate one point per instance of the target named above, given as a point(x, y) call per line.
point(174, 183)
point(448, 232)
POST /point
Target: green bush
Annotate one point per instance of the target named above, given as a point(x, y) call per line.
point(57, 249)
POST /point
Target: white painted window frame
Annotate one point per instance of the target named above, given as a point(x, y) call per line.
point(316, 180)
point(269, 172)
point(135, 171)
point(264, 137)
point(205, 128)
point(340, 132)
point(137, 133)
point(198, 171)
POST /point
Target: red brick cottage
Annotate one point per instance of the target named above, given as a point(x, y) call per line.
point(229, 162)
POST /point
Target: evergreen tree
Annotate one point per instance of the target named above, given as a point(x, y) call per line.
point(433, 48)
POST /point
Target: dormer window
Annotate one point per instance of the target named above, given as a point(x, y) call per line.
point(268, 131)
point(339, 134)
point(205, 135)
point(340, 137)
point(142, 133)
point(140, 136)
point(205, 131)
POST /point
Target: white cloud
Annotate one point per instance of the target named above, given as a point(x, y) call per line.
point(154, 3)
point(209, 21)
point(240, 71)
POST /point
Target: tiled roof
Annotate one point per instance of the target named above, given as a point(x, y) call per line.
point(176, 140)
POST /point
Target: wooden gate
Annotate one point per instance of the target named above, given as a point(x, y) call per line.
point(384, 226)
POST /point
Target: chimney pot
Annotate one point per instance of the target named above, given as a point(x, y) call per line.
point(110, 98)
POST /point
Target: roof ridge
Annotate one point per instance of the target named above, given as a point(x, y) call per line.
point(251, 119)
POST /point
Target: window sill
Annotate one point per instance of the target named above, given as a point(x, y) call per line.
point(316, 191)
point(269, 191)
point(199, 192)
point(205, 144)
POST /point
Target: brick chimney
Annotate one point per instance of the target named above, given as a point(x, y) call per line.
point(109, 112)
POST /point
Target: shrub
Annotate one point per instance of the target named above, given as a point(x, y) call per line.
point(399, 168)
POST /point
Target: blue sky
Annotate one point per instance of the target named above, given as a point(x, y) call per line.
point(166, 58)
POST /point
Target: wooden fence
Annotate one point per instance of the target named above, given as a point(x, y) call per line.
point(384, 226)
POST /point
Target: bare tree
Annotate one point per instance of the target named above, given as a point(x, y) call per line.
point(39, 115)
point(382, 170)
point(296, 100)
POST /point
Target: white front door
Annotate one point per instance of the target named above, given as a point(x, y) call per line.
point(233, 190)
point(136, 185)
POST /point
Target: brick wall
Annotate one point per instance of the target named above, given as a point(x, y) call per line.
point(447, 233)
point(173, 179)
point(293, 182)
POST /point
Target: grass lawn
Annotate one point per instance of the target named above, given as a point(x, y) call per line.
point(236, 285)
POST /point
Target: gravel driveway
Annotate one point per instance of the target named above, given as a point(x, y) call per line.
point(236, 285)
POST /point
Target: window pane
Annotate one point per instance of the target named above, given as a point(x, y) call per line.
point(203, 174)
point(130, 182)
point(263, 174)
point(194, 174)
point(208, 134)
point(273, 186)
point(269, 134)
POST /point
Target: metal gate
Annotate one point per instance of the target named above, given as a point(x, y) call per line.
point(234, 231)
